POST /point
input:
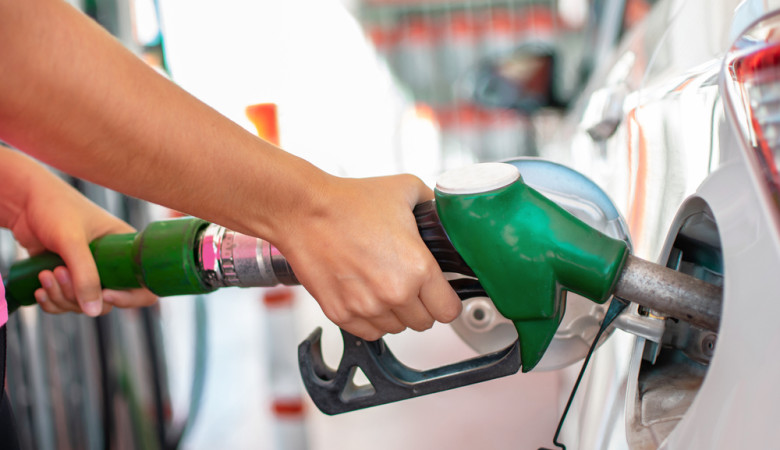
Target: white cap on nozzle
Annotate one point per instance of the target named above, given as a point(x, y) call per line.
point(477, 178)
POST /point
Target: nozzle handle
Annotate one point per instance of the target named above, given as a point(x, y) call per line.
point(435, 237)
point(335, 391)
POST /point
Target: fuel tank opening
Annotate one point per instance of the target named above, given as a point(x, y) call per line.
point(665, 377)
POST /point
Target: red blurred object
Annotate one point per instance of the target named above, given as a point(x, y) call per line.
point(458, 50)
point(278, 298)
point(420, 30)
point(535, 19)
point(383, 37)
point(291, 408)
point(464, 25)
point(265, 119)
point(415, 57)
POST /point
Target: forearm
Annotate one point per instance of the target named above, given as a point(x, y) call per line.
point(75, 98)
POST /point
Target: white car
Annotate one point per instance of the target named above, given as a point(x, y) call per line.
point(680, 128)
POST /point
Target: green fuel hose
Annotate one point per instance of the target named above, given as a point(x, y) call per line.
point(169, 257)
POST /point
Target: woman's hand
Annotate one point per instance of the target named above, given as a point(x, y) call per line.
point(49, 214)
point(362, 258)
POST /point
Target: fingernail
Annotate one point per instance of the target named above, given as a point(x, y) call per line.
point(62, 276)
point(93, 308)
point(41, 296)
point(46, 282)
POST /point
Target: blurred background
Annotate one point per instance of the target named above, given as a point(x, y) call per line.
point(360, 88)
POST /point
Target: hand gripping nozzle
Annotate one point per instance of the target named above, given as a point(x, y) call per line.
point(334, 391)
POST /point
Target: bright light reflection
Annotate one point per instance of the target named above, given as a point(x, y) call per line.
point(338, 106)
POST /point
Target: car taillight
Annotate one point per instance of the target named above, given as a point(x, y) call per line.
point(753, 93)
point(758, 76)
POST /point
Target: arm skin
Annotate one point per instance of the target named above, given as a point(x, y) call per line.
point(75, 98)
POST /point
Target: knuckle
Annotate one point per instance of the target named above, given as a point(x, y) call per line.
point(67, 307)
point(421, 268)
point(61, 272)
point(423, 326)
point(55, 297)
point(49, 308)
point(395, 295)
point(339, 316)
point(396, 300)
point(397, 329)
point(366, 309)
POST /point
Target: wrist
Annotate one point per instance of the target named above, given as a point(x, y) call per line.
point(284, 193)
point(18, 173)
point(308, 199)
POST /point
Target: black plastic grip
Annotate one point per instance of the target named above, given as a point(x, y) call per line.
point(437, 241)
point(335, 391)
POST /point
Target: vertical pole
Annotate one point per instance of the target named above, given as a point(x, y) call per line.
point(289, 418)
point(287, 404)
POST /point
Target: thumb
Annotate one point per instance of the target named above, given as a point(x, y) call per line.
point(86, 281)
point(416, 191)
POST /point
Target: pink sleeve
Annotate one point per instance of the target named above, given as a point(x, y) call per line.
point(3, 304)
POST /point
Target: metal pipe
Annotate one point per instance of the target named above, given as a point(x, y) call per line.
point(228, 258)
point(670, 292)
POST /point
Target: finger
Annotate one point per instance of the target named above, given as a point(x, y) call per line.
point(414, 316)
point(363, 329)
point(107, 307)
point(131, 298)
point(54, 292)
point(85, 279)
point(362, 303)
point(369, 326)
point(387, 322)
point(62, 275)
point(45, 303)
point(440, 299)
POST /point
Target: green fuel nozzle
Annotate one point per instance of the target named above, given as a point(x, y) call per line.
point(169, 257)
point(525, 250)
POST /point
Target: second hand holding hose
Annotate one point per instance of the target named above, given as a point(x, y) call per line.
point(169, 257)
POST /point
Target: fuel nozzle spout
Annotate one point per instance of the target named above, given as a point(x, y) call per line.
point(670, 292)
